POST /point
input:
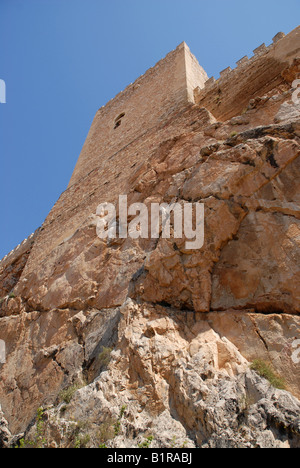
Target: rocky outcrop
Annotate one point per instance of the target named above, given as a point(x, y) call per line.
point(178, 379)
point(5, 435)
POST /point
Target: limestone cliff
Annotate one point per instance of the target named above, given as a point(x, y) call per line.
point(130, 342)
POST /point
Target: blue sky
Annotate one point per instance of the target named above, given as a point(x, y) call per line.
point(63, 59)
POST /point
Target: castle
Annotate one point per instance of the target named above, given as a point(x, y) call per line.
point(182, 326)
point(116, 141)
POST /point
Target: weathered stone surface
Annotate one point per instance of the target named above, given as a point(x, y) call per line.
point(12, 266)
point(47, 352)
point(266, 71)
point(288, 112)
point(185, 384)
point(260, 268)
point(5, 435)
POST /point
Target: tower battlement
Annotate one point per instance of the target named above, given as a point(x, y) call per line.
point(228, 96)
point(151, 99)
point(176, 81)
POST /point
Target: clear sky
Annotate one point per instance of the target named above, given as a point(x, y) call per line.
point(63, 59)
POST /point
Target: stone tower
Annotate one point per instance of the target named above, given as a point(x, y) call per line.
point(109, 153)
point(150, 101)
point(183, 326)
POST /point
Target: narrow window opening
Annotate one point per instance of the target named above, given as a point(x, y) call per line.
point(118, 120)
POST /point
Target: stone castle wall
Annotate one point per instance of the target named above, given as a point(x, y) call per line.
point(130, 128)
point(230, 94)
point(112, 152)
point(149, 100)
point(13, 264)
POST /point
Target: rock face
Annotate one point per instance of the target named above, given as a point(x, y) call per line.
point(12, 266)
point(127, 343)
point(183, 382)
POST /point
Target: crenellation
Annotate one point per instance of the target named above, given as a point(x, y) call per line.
point(168, 86)
point(225, 72)
point(145, 75)
point(208, 83)
point(253, 76)
point(17, 248)
point(278, 37)
point(243, 61)
point(260, 50)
